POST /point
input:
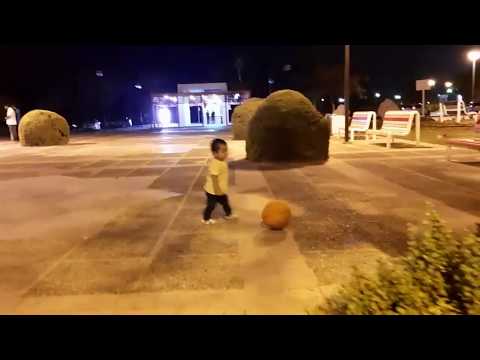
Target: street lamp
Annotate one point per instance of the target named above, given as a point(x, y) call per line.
point(346, 89)
point(473, 56)
point(448, 84)
point(397, 97)
point(377, 95)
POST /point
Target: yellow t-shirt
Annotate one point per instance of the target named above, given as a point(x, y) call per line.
point(220, 169)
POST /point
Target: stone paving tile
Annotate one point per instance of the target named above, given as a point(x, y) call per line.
point(162, 162)
point(100, 163)
point(446, 192)
point(176, 180)
point(171, 271)
point(116, 172)
point(131, 234)
point(148, 171)
point(131, 163)
point(79, 174)
point(18, 175)
point(90, 277)
point(459, 174)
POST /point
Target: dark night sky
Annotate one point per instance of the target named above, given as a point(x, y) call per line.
point(35, 70)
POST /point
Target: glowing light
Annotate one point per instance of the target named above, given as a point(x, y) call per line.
point(164, 116)
point(448, 84)
point(192, 97)
point(271, 82)
point(74, 125)
point(449, 91)
point(99, 73)
point(414, 108)
point(473, 55)
point(403, 108)
point(341, 100)
point(377, 95)
point(236, 96)
point(431, 82)
point(138, 86)
point(428, 102)
point(322, 99)
point(397, 97)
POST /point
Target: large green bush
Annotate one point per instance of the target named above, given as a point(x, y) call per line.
point(440, 274)
point(287, 127)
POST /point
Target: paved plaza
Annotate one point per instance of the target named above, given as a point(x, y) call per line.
point(110, 224)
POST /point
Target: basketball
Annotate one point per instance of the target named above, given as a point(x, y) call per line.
point(276, 215)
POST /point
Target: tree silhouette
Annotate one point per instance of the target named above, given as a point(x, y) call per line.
point(239, 64)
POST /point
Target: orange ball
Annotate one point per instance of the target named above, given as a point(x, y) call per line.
point(276, 215)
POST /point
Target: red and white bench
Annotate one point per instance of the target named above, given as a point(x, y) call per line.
point(398, 123)
point(468, 143)
point(361, 123)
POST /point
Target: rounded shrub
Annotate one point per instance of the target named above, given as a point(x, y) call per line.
point(241, 117)
point(287, 127)
point(43, 128)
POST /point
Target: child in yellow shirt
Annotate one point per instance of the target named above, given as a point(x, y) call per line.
point(216, 185)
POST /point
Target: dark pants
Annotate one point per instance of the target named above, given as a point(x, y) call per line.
point(13, 132)
point(212, 201)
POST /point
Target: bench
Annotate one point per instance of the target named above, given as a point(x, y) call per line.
point(398, 123)
point(456, 110)
point(467, 143)
point(361, 123)
point(337, 122)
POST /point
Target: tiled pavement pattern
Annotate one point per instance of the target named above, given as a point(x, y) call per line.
point(111, 224)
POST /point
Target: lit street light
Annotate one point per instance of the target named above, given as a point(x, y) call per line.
point(341, 100)
point(138, 86)
point(377, 95)
point(473, 56)
point(397, 97)
point(448, 84)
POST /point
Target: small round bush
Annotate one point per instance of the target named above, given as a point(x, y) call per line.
point(241, 117)
point(43, 128)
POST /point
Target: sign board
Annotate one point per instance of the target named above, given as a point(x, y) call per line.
point(423, 85)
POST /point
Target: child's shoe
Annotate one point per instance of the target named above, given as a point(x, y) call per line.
point(208, 222)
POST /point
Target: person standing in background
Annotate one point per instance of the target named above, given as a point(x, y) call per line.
point(11, 120)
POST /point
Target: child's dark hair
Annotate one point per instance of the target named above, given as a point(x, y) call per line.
point(215, 145)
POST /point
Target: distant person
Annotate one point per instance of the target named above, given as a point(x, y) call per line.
point(11, 120)
point(208, 117)
point(213, 117)
point(216, 185)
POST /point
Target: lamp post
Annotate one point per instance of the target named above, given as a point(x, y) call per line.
point(473, 56)
point(346, 88)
